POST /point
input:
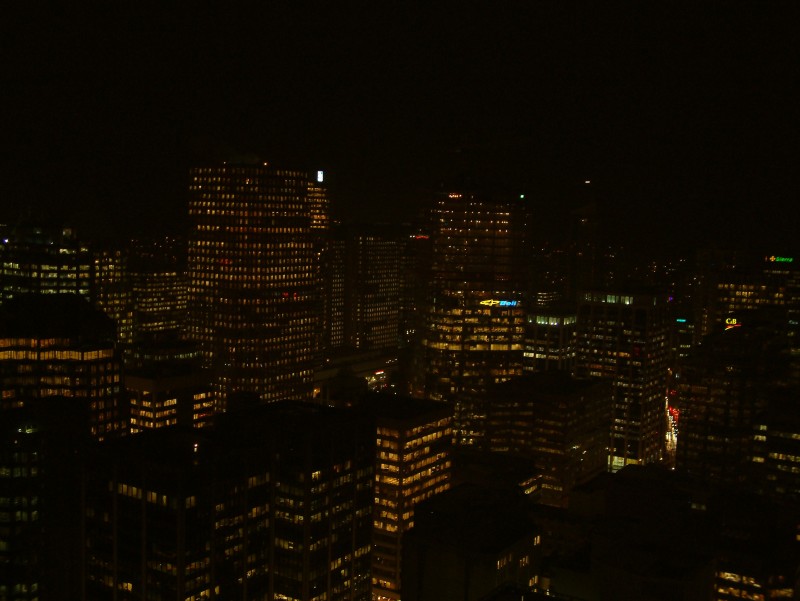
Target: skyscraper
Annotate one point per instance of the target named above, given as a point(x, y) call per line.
point(474, 324)
point(624, 339)
point(253, 299)
point(363, 287)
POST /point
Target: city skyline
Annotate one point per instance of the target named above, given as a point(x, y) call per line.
point(678, 119)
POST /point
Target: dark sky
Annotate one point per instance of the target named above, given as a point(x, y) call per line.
point(683, 119)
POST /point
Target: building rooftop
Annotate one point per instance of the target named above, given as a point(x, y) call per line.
point(54, 315)
point(550, 382)
point(477, 519)
point(399, 408)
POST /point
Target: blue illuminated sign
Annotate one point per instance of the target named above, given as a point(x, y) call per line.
point(493, 302)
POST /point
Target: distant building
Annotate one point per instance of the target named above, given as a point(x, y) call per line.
point(412, 463)
point(559, 422)
point(624, 339)
point(272, 503)
point(111, 291)
point(363, 287)
point(550, 339)
point(43, 259)
point(732, 285)
point(157, 273)
point(58, 347)
point(254, 283)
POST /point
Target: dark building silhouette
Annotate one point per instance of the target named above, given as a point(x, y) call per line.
point(467, 542)
point(723, 387)
point(271, 502)
point(560, 422)
point(776, 445)
point(41, 455)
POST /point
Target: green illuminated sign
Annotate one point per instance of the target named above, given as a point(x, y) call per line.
point(774, 259)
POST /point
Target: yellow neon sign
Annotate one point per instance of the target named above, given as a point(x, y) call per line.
point(732, 322)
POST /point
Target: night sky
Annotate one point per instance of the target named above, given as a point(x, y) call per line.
point(681, 116)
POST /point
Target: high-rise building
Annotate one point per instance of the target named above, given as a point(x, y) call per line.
point(44, 259)
point(412, 463)
point(271, 503)
point(474, 322)
point(111, 291)
point(58, 347)
point(623, 338)
point(157, 274)
point(363, 286)
point(253, 300)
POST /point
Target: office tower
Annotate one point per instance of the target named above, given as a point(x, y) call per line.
point(57, 347)
point(468, 541)
point(474, 323)
point(253, 301)
point(335, 294)
point(550, 338)
point(623, 338)
point(560, 422)
point(41, 450)
point(271, 503)
point(363, 285)
point(157, 273)
point(43, 259)
point(722, 389)
point(412, 463)
point(111, 291)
